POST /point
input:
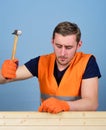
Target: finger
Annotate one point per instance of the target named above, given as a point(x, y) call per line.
point(50, 110)
point(43, 108)
point(40, 109)
point(57, 110)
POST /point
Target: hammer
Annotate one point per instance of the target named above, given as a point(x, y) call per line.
point(16, 33)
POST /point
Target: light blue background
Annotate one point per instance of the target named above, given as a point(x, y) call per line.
point(37, 19)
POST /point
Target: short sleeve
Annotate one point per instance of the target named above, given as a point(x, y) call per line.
point(32, 66)
point(92, 69)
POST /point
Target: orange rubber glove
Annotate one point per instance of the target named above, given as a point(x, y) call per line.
point(53, 105)
point(9, 68)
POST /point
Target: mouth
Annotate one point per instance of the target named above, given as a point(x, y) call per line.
point(61, 58)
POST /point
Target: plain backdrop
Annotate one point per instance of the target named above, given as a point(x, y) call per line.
point(37, 19)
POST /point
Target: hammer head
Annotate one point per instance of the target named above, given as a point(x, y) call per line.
point(17, 32)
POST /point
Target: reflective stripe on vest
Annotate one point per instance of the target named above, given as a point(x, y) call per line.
point(66, 98)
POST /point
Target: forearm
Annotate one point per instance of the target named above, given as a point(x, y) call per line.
point(3, 80)
point(83, 105)
point(22, 73)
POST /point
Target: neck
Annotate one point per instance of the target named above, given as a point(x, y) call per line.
point(61, 67)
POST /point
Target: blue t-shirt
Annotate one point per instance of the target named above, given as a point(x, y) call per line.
point(92, 69)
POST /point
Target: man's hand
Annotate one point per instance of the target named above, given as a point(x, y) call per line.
point(54, 105)
point(9, 68)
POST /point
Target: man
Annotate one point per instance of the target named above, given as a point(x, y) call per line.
point(68, 79)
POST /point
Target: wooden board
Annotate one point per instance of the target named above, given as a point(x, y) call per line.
point(47, 121)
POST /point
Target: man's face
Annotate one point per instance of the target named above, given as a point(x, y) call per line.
point(65, 48)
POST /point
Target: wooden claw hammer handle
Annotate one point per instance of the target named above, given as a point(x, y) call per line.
point(14, 47)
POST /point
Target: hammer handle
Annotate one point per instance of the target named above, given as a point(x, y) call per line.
point(14, 47)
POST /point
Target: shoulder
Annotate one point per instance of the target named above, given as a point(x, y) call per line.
point(47, 58)
point(32, 65)
point(92, 68)
point(33, 61)
point(51, 55)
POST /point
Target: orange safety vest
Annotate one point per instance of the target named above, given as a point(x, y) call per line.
point(70, 84)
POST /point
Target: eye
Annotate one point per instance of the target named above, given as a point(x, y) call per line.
point(58, 46)
point(68, 47)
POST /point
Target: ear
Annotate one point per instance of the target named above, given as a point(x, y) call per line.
point(52, 41)
point(79, 45)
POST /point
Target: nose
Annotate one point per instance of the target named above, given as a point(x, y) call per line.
point(63, 51)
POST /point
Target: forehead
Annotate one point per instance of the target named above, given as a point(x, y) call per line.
point(69, 39)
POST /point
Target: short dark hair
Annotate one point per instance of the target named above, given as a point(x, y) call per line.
point(67, 28)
